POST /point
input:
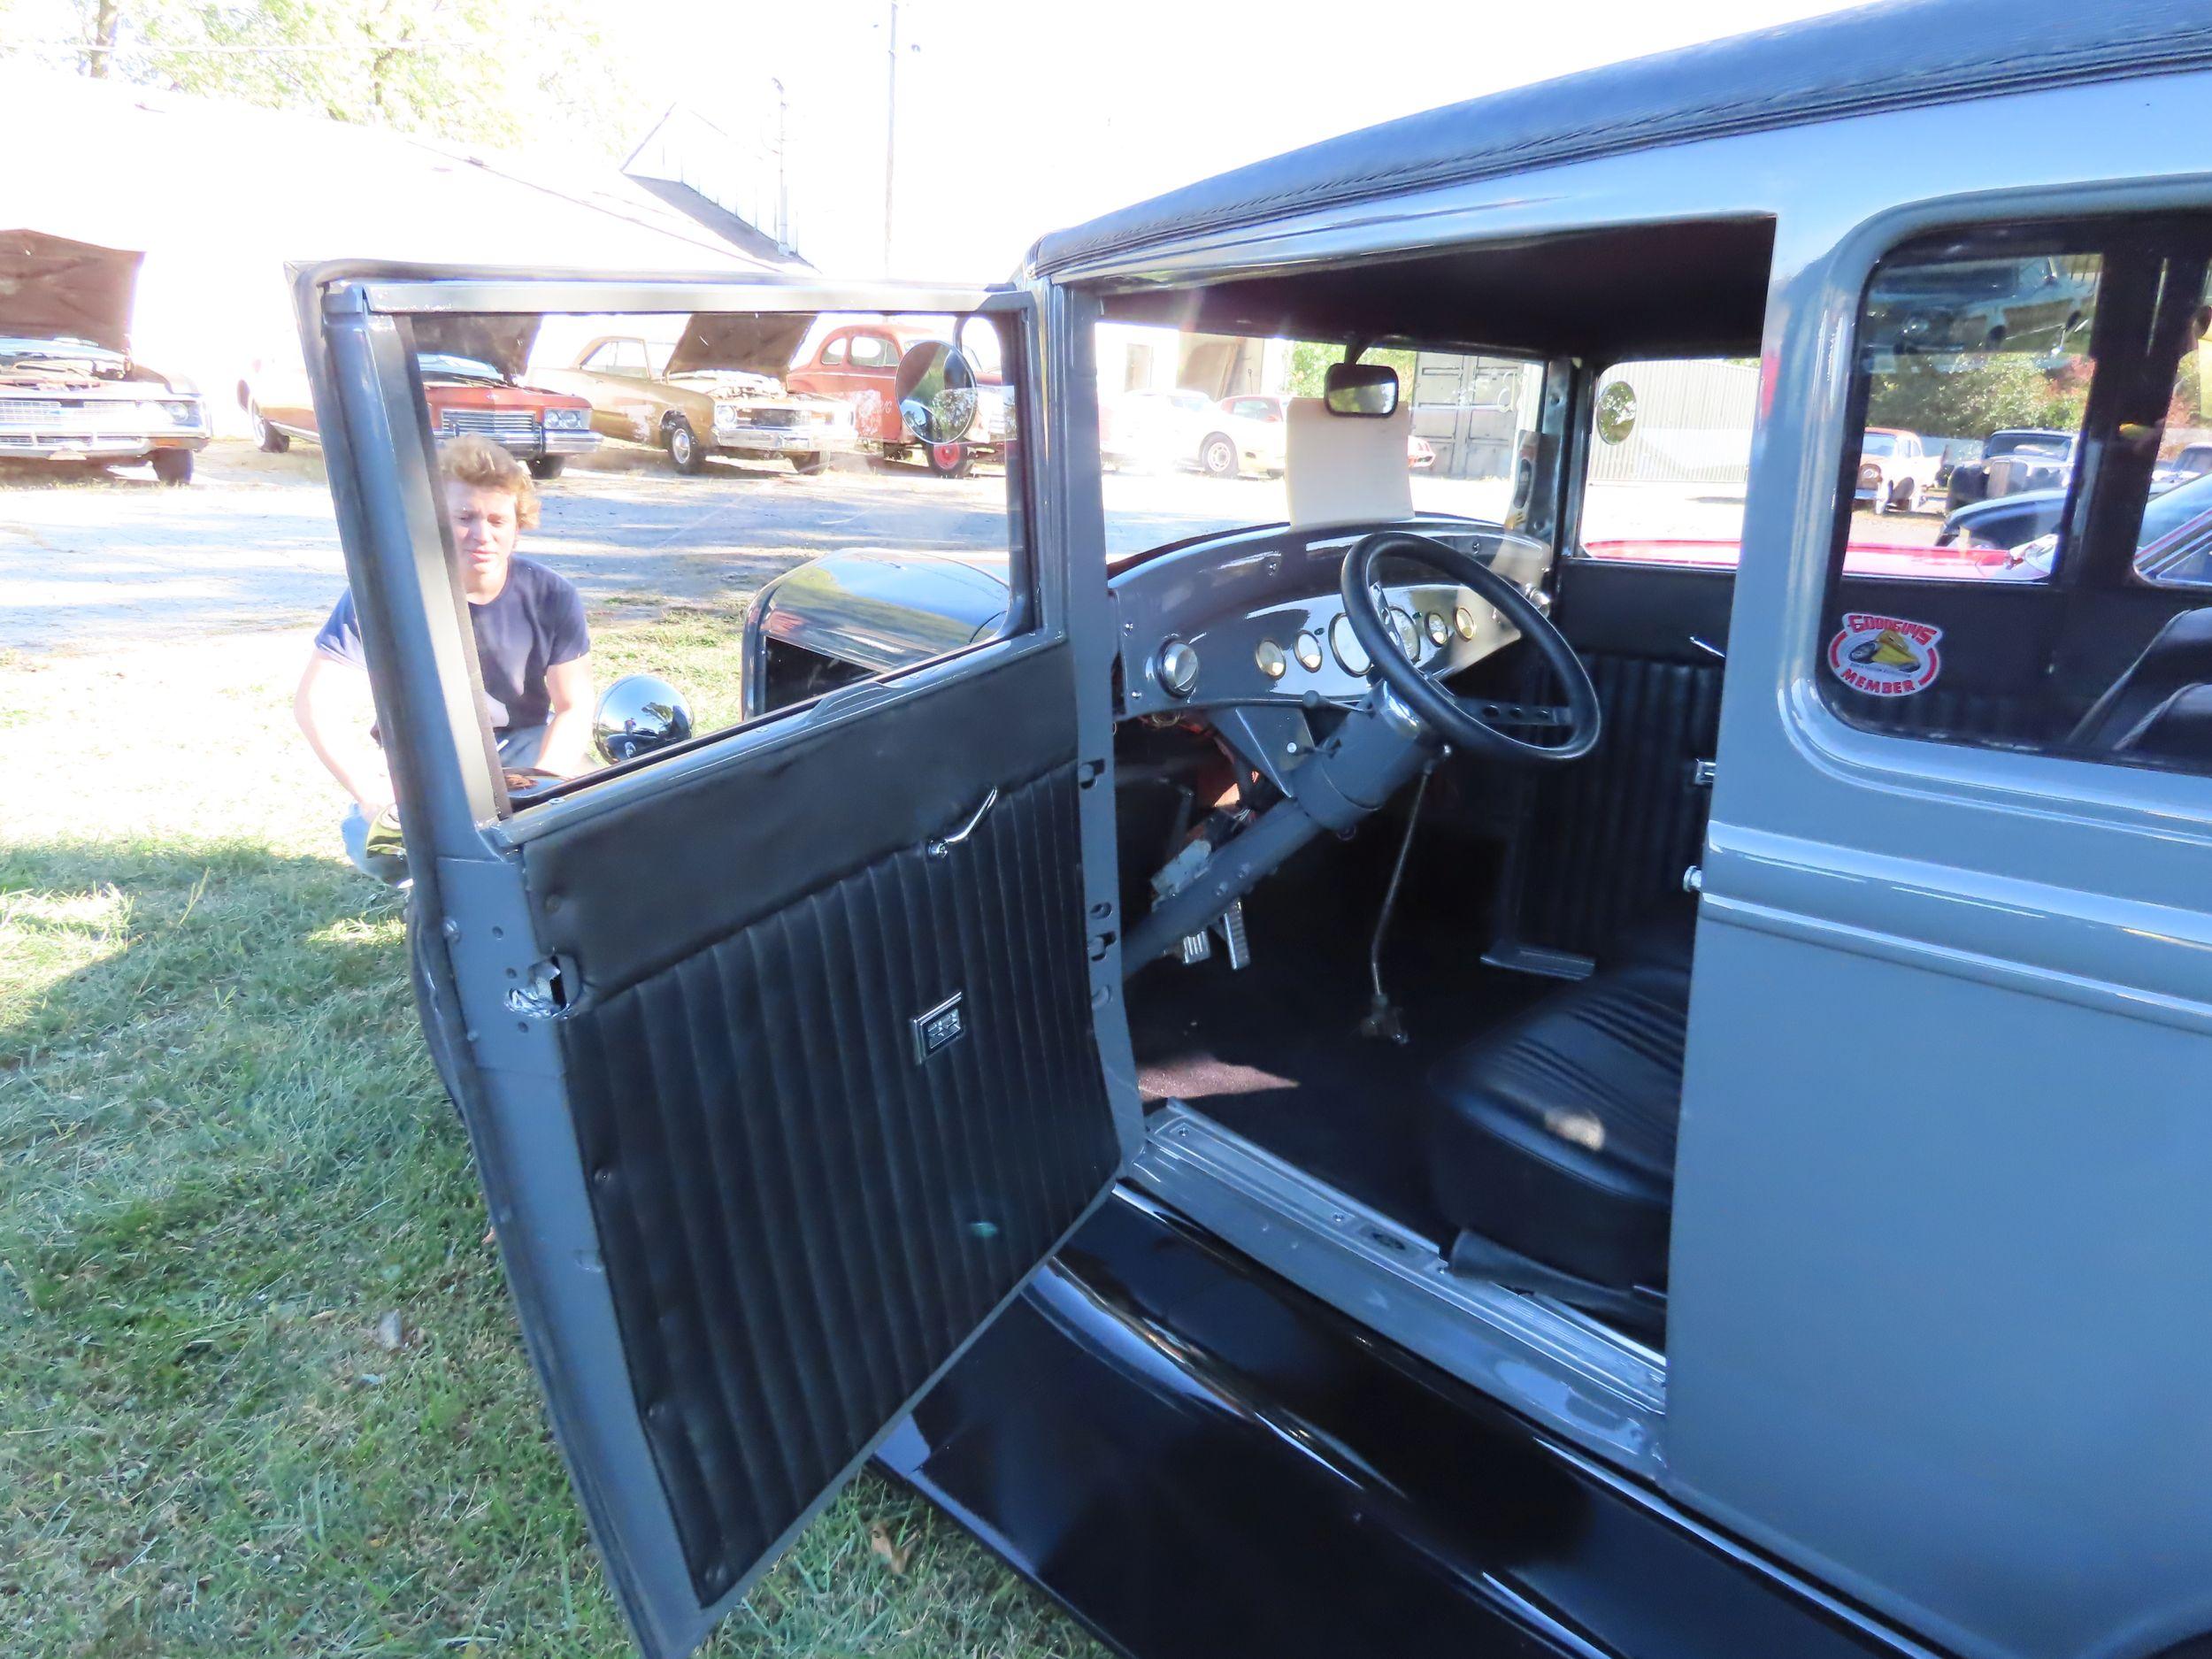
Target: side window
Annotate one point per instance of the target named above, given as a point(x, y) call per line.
point(1670, 458)
point(711, 579)
point(834, 353)
point(872, 351)
point(2057, 369)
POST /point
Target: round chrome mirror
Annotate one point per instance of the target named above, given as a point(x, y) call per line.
point(1617, 413)
point(935, 390)
point(637, 714)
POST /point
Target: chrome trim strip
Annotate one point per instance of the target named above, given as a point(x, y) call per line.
point(1577, 1377)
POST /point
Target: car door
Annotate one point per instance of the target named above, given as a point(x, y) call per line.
point(777, 1049)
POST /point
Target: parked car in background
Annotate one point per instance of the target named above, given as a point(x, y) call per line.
point(2192, 461)
point(1153, 427)
point(2021, 531)
point(1245, 433)
point(2014, 460)
point(1895, 470)
point(70, 389)
point(471, 377)
point(863, 363)
point(721, 389)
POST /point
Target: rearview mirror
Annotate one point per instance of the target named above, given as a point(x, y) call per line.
point(1367, 389)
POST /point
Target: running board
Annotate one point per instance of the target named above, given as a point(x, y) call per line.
point(1581, 1378)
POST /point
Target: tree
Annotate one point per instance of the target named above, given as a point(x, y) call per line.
point(498, 72)
point(1310, 361)
point(1975, 396)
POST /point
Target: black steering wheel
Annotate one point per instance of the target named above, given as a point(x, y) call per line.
point(1470, 723)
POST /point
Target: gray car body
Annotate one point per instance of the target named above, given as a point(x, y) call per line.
point(1939, 1239)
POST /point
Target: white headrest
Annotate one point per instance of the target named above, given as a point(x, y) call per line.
point(1346, 469)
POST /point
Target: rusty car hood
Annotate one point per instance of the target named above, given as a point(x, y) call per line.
point(503, 340)
point(753, 343)
point(53, 287)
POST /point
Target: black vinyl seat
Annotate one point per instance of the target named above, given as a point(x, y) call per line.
point(2159, 707)
point(1551, 1140)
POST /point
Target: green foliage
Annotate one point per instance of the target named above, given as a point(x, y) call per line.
point(1975, 396)
point(499, 71)
point(1310, 361)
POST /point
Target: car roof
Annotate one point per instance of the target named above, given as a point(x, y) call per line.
point(1852, 63)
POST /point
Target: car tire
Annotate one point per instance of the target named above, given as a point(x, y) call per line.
point(684, 448)
point(173, 466)
point(1217, 455)
point(949, 460)
point(1907, 498)
point(267, 437)
point(806, 463)
point(548, 466)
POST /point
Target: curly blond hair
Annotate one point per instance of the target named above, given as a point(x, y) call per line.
point(476, 461)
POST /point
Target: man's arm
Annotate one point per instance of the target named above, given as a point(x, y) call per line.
point(567, 747)
point(333, 709)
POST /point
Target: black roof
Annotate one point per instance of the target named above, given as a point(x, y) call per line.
point(1852, 62)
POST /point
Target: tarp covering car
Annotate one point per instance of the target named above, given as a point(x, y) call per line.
point(751, 342)
point(50, 287)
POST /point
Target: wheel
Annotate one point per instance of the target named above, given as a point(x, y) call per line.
point(271, 440)
point(173, 466)
point(1217, 455)
point(949, 460)
point(806, 463)
point(683, 446)
point(547, 465)
point(1907, 498)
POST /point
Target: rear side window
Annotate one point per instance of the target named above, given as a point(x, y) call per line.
point(2053, 597)
point(1670, 457)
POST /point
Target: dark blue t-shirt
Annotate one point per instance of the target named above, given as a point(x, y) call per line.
point(534, 622)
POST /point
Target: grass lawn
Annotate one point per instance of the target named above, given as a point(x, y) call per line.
point(225, 1165)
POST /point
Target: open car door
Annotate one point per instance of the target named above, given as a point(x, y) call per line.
point(776, 1048)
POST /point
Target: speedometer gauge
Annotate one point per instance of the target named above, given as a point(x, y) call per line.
point(1349, 651)
point(1407, 631)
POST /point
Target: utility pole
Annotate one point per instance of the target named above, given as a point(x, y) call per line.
point(783, 186)
point(890, 136)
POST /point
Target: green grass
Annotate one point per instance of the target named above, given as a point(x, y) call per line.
point(224, 1160)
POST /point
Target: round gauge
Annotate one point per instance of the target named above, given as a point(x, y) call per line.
point(1438, 629)
point(1348, 651)
point(1309, 650)
point(1407, 631)
point(1270, 656)
point(1463, 620)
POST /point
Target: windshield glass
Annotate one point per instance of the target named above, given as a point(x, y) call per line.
point(1195, 429)
point(438, 364)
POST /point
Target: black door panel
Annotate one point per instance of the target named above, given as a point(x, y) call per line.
point(803, 1219)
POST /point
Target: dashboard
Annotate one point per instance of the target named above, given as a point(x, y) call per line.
point(1255, 618)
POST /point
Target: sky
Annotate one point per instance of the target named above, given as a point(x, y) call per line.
point(1014, 119)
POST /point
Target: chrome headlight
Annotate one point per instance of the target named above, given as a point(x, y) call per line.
point(182, 414)
point(567, 420)
point(728, 416)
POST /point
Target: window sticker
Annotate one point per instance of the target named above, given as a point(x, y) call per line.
point(1886, 656)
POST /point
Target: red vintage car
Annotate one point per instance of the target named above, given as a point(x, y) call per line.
point(471, 380)
point(860, 362)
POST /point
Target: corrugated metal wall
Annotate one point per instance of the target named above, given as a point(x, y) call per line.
point(1693, 423)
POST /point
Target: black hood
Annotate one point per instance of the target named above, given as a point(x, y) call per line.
point(51, 287)
point(757, 342)
point(503, 340)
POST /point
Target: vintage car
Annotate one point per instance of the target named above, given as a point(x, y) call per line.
point(69, 388)
point(720, 390)
point(1896, 470)
point(471, 373)
point(2021, 531)
point(872, 364)
point(2011, 461)
point(1379, 1081)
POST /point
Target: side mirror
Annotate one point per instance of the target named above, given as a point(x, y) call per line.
point(934, 389)
point(1366, 389)
point(637, 715)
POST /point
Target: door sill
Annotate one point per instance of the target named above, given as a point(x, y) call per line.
point(1584, 1380)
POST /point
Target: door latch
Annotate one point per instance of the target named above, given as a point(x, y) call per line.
point(542, 995)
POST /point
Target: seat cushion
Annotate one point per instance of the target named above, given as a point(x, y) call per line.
point(1554, 1135)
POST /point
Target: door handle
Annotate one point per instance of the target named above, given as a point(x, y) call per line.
point(941, 846)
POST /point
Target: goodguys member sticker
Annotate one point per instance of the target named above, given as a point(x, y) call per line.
point(1886, 656)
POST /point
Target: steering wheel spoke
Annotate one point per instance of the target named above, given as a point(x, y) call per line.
point(1485, 726)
